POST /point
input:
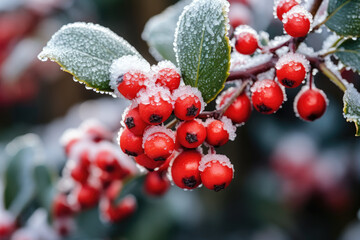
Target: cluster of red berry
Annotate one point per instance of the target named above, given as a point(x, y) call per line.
point(291, 70)
point(93, 174)
point(156, 92)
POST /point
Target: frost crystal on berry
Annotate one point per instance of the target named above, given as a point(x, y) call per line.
point(157, 130)
point(296, 12)
point(185, 91)
point(164, 64)
point(157, 93)
point(293, 57)
point(210, 158)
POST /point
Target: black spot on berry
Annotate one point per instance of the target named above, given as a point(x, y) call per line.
point(150, 169)
point(287, 82)
point(312, 117)
point(159, 159)
point(131, 153)
point(120, 79)
point(130, 122)
point(109, 168)
point(189, 182)
point(191, 138)
point(191, 111)
point(218, 188)
point(263, 108)
point(154, 118)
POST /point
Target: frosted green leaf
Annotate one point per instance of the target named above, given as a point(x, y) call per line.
point(159, 31)
point(344, 17)
point(352, 107)
point(202, 47)
point(87, 51)
point(349, 53)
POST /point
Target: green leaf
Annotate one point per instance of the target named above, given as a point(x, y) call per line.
point(344, 17)
point(352, 107)
point(159, 32)
point(202, 47)
point(87, 51)
point(349, 53)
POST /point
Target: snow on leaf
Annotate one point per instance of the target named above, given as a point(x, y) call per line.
point(344, 18)
point(159, 31)
point(202, 46)
point(352, 107)
point(349, 53)
point(86, 51)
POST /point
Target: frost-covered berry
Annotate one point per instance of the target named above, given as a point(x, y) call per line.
point(310, 104)
point(156, 184)
point(218, 132)
point(191, 134)
point(185, 170)
point(267, 96)
point(148, 163)
point(7, 224)
point(240, 110)
point(88, 196)
point(155, 105)
point(80, 174)
point(130, 143)
point(246, 40)
point(188, 103)
point(158, 142)
point(130, 84)
point(108, 162)
point(283, 6)
point(61, 207)
point(291, 69)
point(115, 213)
point(133, 122)
point(297, 21)
point(216, 171)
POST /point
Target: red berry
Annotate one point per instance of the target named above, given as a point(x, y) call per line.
point(61, 207)
point(216, 134)
point(267, 96)
point(156, 184)
point(188, 103)
point(121, 211)
point(291, 69)
point(185, 169)
point(240, 110)
point(147, 162)
point(191, 134)
point(113, 190)
point(108, 162)
point(131, 83)
point(155, 106)
point(159, 143)
point(297, 22)
point(80, 174)
point(131, 144)
point(216, 171)
point(168, 77)
point(95, 131)
point(88, 196)
point(310, 104)
point(134, 123)
point(283, 6)
point(85, 160)
point(246, 40)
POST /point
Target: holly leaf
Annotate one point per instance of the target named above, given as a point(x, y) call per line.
point(159, 32)
point(202, 46)
point(349, 53)
point(87, 51)
point(344, 18)
point(352, 107)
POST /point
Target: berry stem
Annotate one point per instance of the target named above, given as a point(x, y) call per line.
point(311, 78)
point(220, 112)
point(172, 123)
point(332, 76)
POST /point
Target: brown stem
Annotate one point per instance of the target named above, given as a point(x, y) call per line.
point(315, 7)
point(172, 123)
point(219, 112)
